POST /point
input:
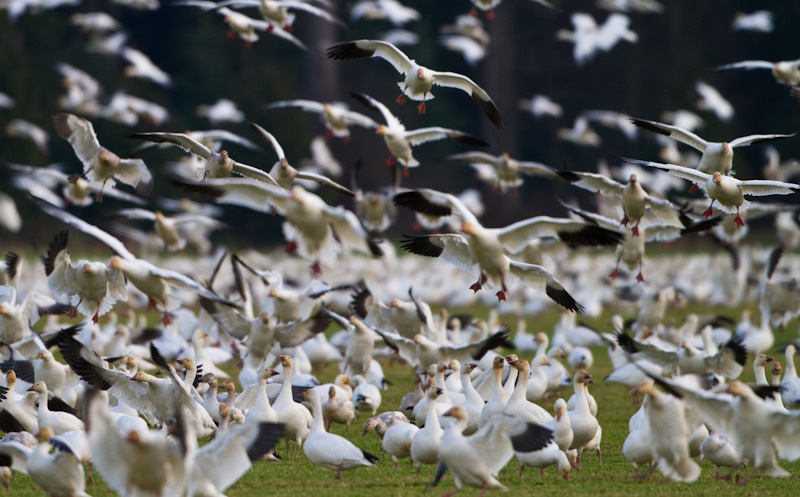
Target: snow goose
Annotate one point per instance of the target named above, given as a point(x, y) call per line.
point(262, 332)
point(423, 351)
point(501, 172)
point(60, 474)
point(718, 449)
point(635, 200)
point(316, 230)
point(717, 156)
point(285, 175)
point(58, 421)
point(93, 287)
point(517, 405)
point(411, 399)
point(336, 116)
point(545, 456)
point(217, 164)
point(390, 10)
point(366, 396)
point(425, 444)
point(477, 460)
point(418, 79)
point(670, 436)
point(41, 181)
point(156, 398)
point(497, 403)
point(338, 410)
point(383, 422)
point(148, 278)
point(786, 72)
point(473, 402)
point(712, 100)
point(328, 450)
point(142, 67)
point(399, 140)
point(294, 416)
point(560, 425)
point(728, 361)
point(755, 427)
point(100, 164)
point(146, 462)
point(173, 231)
point(485, 247)
point(262, 411)
point(224, 460)
point(584, 424)
point(790, 385)
point(759, 368)
point(727, 190)
point(397, 441)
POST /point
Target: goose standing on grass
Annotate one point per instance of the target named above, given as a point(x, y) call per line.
point(100, 165)
point(473, 402)
point(366, 396)
point(790, 384)
point(517, 404)
point(560, 425)
point(338, 410)
point(328, 450)
point(717, 156)
point(419, 80)
point(584, 424)
point(262, 411)
point(397, 441)
point(727, 190)
point(497, 403)
point(382, 422)
point(425, 444)
point(293, 415)
point(399, 140)
point(718, 449)
point(58, 421)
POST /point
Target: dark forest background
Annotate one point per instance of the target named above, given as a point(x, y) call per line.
point(658, 73)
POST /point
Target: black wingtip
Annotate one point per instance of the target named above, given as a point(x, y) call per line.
point(564, 299)
point(736, 345)
point(359, 302)
point(774, 259)
point(591, 236)
point(650, 126)
point(369, 457)
point(418, 202)
point(347, 51)
point(58, 244)
point(490, 109)
point(420, 245)
point(627, 343)
point(12, 264)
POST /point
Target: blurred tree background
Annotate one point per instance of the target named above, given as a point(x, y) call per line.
point(658, 73)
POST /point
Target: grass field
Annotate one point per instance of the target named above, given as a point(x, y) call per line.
point(298, 477)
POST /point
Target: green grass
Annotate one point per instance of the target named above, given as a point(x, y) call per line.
point(298, 477)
